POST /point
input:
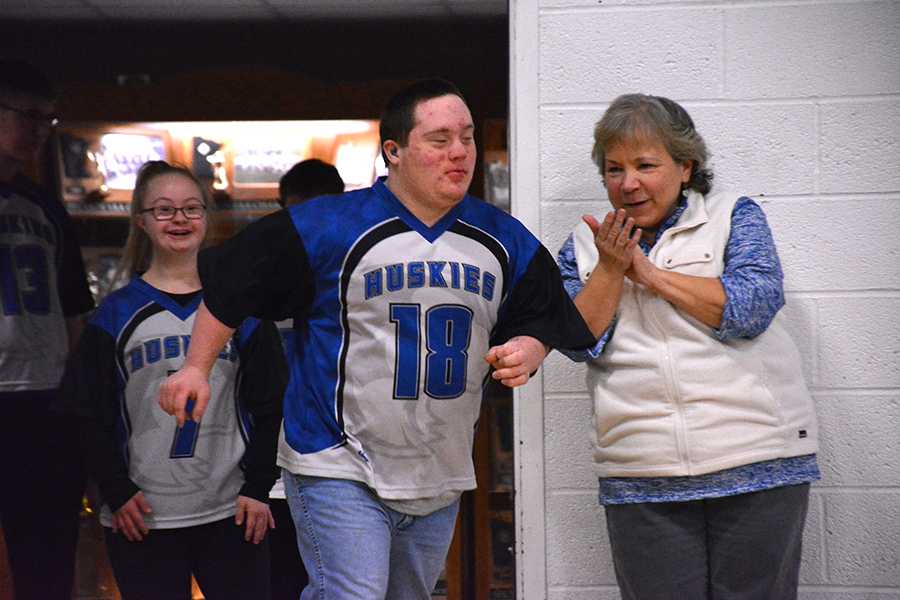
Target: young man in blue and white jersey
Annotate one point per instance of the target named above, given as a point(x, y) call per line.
point(404, 296)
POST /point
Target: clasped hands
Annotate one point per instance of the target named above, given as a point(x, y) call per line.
point(617, 239)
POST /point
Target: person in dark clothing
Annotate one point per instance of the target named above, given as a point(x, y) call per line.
point(44, 296)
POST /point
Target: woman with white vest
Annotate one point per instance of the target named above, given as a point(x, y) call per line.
point(705, 434)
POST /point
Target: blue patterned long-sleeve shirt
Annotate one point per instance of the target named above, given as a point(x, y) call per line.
point(754, 293)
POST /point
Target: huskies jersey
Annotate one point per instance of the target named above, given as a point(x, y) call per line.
point(190, 475)
point(392, 322)
point(42, 281)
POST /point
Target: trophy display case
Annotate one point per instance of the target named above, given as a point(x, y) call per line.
point(240, 163)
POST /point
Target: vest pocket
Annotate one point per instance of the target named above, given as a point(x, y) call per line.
point(691, 260)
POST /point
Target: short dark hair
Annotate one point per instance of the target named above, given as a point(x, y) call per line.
point(398, 117)
point(308, 179)
point(20, 77)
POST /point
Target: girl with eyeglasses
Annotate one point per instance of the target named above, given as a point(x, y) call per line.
point(177, 501)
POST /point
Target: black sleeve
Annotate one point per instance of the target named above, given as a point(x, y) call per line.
point(262, 378)
point(90, 392)
point(74, 293)
point(539, 306)
point(262, 272)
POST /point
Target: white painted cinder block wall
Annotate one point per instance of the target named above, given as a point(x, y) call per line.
point(799, 101)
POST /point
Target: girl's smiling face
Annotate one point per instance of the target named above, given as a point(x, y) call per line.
point(179, 234)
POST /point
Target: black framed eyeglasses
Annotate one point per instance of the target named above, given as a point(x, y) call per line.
point(167, 213)
point(35, 116)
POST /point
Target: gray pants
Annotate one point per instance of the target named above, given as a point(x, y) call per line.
point(744, 547)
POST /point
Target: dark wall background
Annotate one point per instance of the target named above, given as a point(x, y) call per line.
point(259, 70)
point(163, 71)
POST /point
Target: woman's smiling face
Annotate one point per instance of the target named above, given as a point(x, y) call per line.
point(642, 178)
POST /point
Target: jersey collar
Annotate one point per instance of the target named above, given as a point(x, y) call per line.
point(429, 233)
point(163, 299)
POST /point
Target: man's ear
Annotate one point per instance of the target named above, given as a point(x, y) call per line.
point(392, 151)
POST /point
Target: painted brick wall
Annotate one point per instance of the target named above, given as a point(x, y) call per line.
point(799, 102)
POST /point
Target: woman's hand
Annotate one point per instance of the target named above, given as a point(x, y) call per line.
point(256, 518)
point(642, 271)
point(599, 299)
point(700, 297)
point(615, 240)
point(129, 519)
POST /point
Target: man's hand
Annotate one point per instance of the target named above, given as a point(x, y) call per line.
point(190, 383)
point(615, 239)
point(516, 360)
point(129, 519)
point(256, 518)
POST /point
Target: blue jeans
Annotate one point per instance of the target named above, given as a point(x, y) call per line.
point(355, 547)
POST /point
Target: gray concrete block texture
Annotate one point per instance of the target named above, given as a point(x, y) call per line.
point(800, 105)
point(562, 375)
point(774, 157)
point(683, 58)
point(843, 260)
point(567, 429)
point(577, 551)
point(860, 145)
point(567, 172)
point(558, 219)
point(867, 451)
point(812, 566)
point(812, 49)
point(859, 342)
point(862, 537)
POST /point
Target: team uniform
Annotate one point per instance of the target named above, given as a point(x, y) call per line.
point(393, 319)
point(42, 282)
point(190, 476)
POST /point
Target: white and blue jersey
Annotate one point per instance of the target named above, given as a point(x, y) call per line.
point(392, 322)
point(42, 282)
point(191, 475)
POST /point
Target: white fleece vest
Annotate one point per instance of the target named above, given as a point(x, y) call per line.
point(669, 398)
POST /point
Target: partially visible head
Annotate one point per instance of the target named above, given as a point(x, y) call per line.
point(160, 189)
point(641, 119)
point(428, 143)
point(27, 110)
point(308, 179)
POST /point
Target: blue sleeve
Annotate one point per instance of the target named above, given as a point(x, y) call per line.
point(568, 268)
point(753, 280)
